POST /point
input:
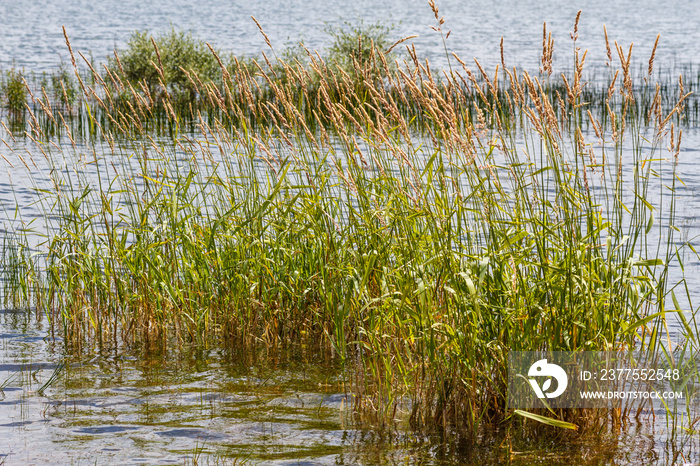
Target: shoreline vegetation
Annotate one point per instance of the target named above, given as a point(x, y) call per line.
point(414, 224)
point(179, 78)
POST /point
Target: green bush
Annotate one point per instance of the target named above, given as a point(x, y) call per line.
point(15, 91)
point(178, 51)
point(357, 44)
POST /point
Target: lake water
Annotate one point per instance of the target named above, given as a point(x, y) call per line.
point(223, 406)
point(173, 408)
point(32, 37)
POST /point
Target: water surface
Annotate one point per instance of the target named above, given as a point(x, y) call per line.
point(32, 36)
point(194, 405)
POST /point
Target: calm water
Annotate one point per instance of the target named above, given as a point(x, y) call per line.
point(223, 406)
point(199, 403)
point(32, 37)
point(167, 408)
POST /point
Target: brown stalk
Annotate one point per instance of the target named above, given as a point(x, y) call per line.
point(574, 36)
point(267, 39)
point(607, 45)
point(653, 52)
point(547, 51)
point(611, 88)
point(596, 125)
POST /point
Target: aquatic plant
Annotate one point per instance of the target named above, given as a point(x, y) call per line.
point(163, 63)
point(283, 69)
point(64, 88)
point(419, 230)
point(15, 92)
point(353, 48)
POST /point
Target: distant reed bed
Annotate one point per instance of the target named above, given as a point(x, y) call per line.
point(417, 224)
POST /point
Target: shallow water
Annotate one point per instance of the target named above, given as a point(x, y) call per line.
point(163, 408)
point(225, 406)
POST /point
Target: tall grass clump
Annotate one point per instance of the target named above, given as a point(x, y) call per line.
point(420, 230)
point(17, 270)
point(353, 47)
point(139, 100)
point(162, 64)
point(14, 92)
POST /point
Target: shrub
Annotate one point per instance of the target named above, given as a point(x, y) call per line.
point(179, 52)
point(357, 44)
point(15, 92)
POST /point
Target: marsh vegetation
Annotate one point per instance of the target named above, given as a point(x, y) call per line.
point(414, 225)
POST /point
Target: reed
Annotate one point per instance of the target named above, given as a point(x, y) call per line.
point(190, 71)
point(417, 225)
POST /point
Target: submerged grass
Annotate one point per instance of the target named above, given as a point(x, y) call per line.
point(419, 228)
